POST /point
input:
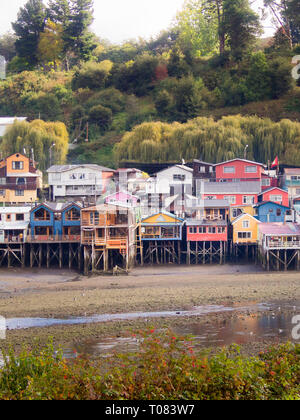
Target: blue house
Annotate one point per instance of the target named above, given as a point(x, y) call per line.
point(269, 212)
point(55, 222)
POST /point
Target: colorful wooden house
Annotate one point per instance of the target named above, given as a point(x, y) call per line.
point(276, 195)
point(55, 222)
point(279, 245)
point(245, 230)
point(239, 170)
point(236, 193)
point(161, 235)
point(121, 198)
point(236, 211)
point(270, 212)
point(18, 179)
point(108, 234)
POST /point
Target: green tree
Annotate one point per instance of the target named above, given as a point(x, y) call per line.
point(7, 46)
point(101, 116)
point(50, 46)
point(77, 36)
point(198, 29)
point(28, 28)
point(37, 135)
point(241, 26)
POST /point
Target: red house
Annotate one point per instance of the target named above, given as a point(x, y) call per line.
point(275, 195)
point(235, 193)
point(268, 181)
point(206, 231)
point(238, 170)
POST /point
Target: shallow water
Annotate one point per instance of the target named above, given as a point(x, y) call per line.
point(24, 323)
point(244, 329)
point(253, 323)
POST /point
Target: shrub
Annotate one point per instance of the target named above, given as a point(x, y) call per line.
point(101, 116)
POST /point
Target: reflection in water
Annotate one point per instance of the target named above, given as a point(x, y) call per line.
point(243, 329)
point(267, 322)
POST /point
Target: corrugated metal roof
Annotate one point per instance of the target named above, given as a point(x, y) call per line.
point(279, 229)
point(247, 187)
point(14, 225)
point(203, 222)
point(242, 160)
point(292, 171)
point(15, 210)
point(65, 168)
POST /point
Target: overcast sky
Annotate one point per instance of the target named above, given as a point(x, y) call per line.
point(118, 20)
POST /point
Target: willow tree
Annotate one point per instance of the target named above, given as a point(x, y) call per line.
point(212, 141)
point(39, 136)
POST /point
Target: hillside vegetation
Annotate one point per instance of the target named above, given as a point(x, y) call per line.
point(211, 63)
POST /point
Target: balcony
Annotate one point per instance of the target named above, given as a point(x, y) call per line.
point(53, 238)
point(284, 245)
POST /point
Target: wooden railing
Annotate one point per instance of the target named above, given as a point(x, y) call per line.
point(285, 244)
point(53, 238)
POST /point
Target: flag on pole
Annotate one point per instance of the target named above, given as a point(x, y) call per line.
point(275, 163)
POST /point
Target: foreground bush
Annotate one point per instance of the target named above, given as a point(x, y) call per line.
point(164, 368)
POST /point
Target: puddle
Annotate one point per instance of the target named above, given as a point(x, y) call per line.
point(24, 323)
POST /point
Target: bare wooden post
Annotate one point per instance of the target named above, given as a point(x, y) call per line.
point(31, 256)
point(48, 256)
point(40, 255)
point(179, 252)
point(189, 253)
point(285, 260)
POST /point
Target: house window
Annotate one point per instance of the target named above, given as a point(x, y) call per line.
point(250, 169)
point(8, 217)
point(211, 197)
point(202, 169)
point(2, 181)
point(178, 177)
point(81, 176)
point(91, 218)
point(221, 230)
point(211, 169)
point(246, 224)
point(230, 198)
point(248, 199)
point(18, 165)
point(193, 230)
point(278, 212)
point(19, 193)
point(2, 193)
point(202, 229)
point(276, 198)
point(244, 235)
point(229, 170)
point(212, 230)
point(21, 181)
point(19, 217)
point(73, 176)
point(265, 182)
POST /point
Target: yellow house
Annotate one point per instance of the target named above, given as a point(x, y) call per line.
point(245, 229)
point(18, 179)
point(162, 226)
point(236, 211)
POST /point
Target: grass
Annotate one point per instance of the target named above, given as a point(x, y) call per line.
point(164, 368)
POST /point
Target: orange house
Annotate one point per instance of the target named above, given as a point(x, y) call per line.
point(18, 179)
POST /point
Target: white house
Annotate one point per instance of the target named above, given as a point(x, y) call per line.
point(7, 122)
point(174, 180)
point(14, 223)
point(73, 182)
